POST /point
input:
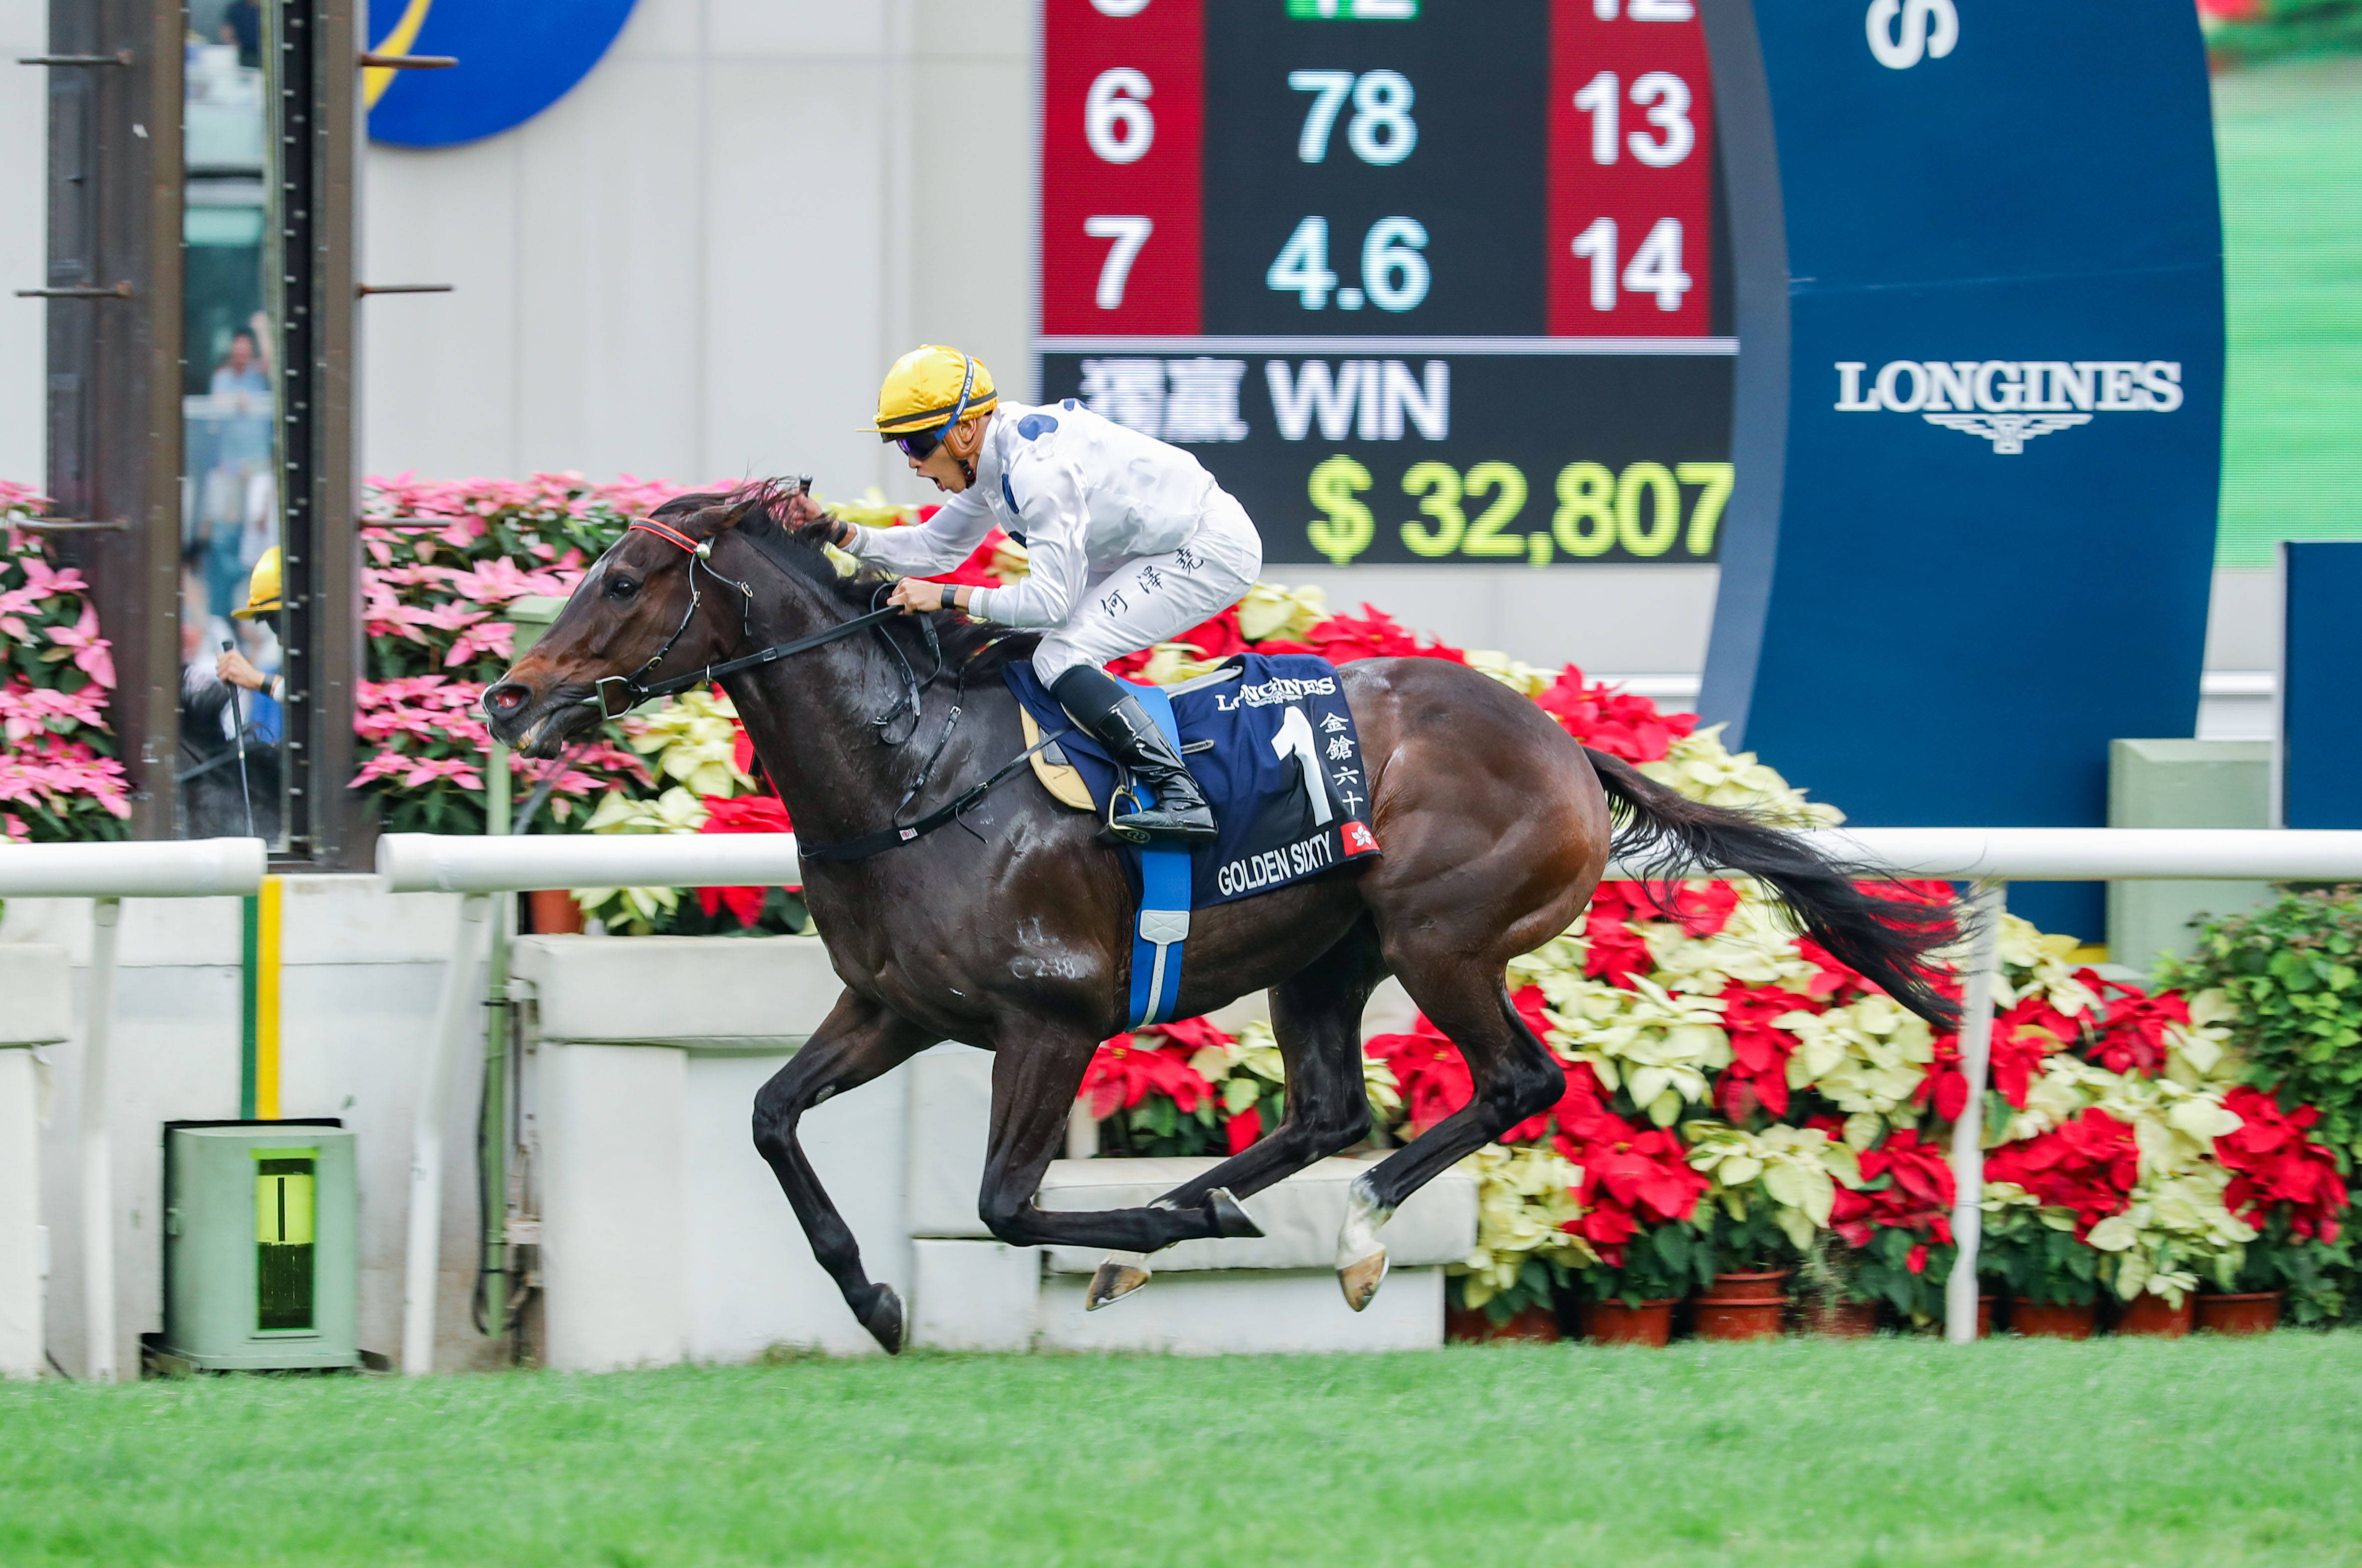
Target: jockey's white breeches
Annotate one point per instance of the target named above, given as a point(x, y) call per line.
point(1150, 598)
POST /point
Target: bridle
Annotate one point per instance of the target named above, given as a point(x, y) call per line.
point(636, 690)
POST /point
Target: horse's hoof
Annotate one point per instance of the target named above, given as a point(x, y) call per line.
point(1360, 1279)
point(1230, 1220)
point(883, 1319)
point(1118, 1278)
point(1360, 1256)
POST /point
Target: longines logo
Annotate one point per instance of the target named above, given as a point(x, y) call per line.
point(2010, 401)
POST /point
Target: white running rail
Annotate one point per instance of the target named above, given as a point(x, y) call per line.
point(1989, 857)
point(109, 873)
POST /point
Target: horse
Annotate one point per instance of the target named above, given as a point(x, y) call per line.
point(1009, 929)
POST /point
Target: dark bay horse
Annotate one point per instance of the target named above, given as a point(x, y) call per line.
point(1009, 929)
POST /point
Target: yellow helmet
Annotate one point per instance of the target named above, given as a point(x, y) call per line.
point(263, 588)
point(932, 386)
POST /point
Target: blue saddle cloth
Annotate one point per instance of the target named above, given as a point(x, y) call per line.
point(1283, 773)
point(1280, 731)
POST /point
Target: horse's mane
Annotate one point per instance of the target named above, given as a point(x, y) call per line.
point(979, 647)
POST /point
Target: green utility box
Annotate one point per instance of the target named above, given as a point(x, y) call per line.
point(261, 1246)
point(2181, 784)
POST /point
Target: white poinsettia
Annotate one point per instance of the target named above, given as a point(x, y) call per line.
point(2173, 1225)
point(1171, 663)
point(694, 739)
point(1756, 945)
point(1796, 1169)
point(2199, 1052)
point(635, 911)
point(1870, 1056)
point(2067, 1087)
point(1240, 1065)
point(1701, 767)
point(1525, 1196)
point(1516, 674)
point(1661, 1048)
point(1272, 611)
point(2036, 963)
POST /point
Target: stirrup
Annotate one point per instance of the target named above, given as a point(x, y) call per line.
point(1114, 836)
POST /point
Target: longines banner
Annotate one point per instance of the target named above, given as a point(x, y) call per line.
point(1978, 408)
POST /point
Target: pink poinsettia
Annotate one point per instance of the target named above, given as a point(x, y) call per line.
point(92, 654)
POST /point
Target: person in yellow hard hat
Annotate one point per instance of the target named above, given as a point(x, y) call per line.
point(1129, 540)
point(262, 597)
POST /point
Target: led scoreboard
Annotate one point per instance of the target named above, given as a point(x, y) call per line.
point(1416, 279)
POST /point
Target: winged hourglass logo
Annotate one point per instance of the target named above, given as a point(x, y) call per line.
point(2009, 433)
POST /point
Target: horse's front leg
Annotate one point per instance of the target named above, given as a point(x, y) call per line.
point(856, 1042)
point(1037, 1067)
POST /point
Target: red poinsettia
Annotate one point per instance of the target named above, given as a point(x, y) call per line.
point(1907, 1186)
point(1758, 1074)
point(1630, 1178)
point(744, 813)
point(1341, 640)
point(2276, 1163)
point(2088, 1164)
point(1128, 1069)
point(2132, 1034)
point(1429, 1069)
point(1616, 721)
point(2023, 1035)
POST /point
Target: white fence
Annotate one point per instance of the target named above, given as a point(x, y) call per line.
point(110, 873)
point(1989, 857)
point(478, 867)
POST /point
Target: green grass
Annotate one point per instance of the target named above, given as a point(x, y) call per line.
point(2289, 146)
point(1849, 1454)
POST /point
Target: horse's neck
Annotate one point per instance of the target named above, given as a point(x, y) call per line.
point(811, 718)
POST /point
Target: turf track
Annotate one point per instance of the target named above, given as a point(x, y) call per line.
point(2214, 1453)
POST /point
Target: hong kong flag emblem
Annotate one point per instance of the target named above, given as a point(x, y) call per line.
point(1359, 839)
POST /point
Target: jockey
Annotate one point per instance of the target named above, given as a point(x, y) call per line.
point(1129, 541)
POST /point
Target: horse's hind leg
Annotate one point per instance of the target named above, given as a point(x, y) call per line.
point(1515, 1077)
point(1317, 1017)
point(857, 1042)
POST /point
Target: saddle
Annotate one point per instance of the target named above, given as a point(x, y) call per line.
point(1058, 776)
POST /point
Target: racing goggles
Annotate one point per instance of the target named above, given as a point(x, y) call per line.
point(918, 443)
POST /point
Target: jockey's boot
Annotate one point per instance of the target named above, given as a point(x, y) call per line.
point(1100, 704)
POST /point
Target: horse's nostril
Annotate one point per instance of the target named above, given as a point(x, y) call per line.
point(508, 697)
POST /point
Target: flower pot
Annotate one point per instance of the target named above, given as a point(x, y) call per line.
point(552, 911)
point(2256, 1312)
point(1613, 1323)
point(1764, 1286)
point(2051, 1320)
point(1843, 1319)
point(1742, 1305)
point(2152, 1315)
point(1474, 1326)
point(1984, 1316)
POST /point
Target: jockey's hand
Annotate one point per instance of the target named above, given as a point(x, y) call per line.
point(802, 509)
point(917, 594)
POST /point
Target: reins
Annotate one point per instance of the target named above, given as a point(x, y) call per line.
point(636, 691)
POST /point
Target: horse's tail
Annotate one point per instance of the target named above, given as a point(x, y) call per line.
point(1884, 937)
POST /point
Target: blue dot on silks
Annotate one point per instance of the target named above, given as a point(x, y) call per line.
point(1033, 426)
point(1069, 404)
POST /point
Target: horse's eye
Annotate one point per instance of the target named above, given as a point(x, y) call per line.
point(622, 587)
